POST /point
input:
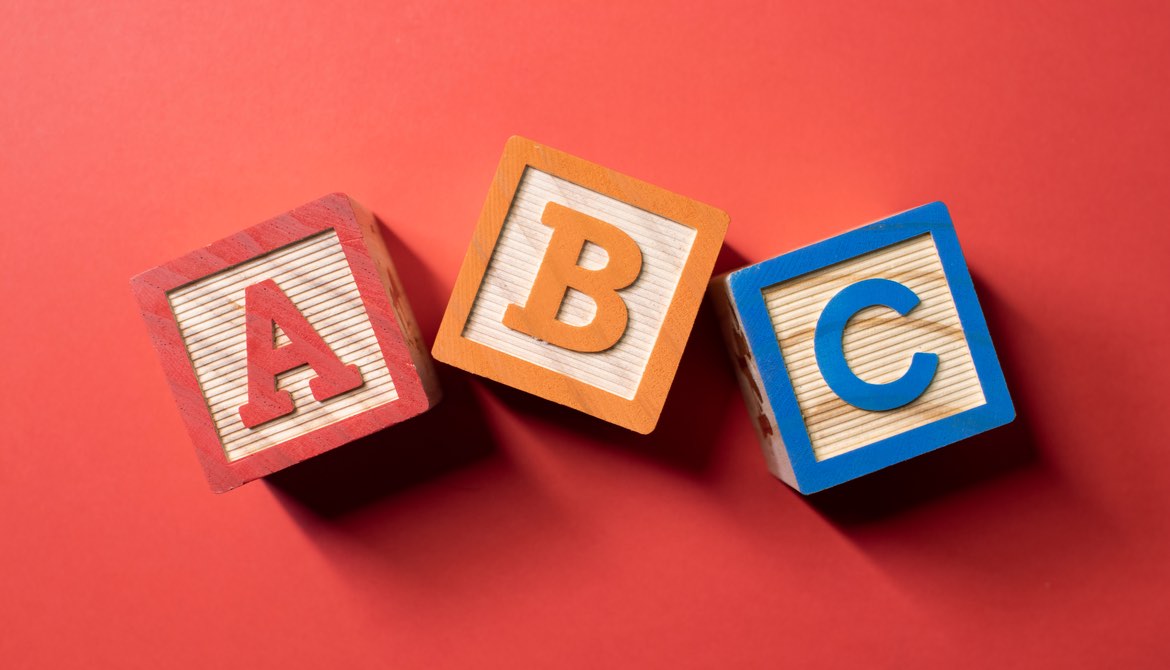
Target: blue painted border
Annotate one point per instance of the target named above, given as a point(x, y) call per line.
point(747, 287)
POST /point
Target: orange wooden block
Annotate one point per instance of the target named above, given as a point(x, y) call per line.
point(286, 340)
point(581, 285)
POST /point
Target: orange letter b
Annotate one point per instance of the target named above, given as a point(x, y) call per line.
point(559, 271)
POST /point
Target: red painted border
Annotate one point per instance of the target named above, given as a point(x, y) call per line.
point(354, 226)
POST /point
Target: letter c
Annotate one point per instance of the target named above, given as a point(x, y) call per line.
point(831, 356)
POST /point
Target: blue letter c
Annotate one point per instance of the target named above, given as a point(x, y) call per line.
point(831, 356)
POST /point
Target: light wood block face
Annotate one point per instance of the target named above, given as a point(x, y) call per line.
point(580, 285)
point(286, 340)
point(878, 346)
point(313, 273)
point(665, 246)
point(863, 350)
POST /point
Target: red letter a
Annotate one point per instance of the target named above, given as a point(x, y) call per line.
point(265, 306)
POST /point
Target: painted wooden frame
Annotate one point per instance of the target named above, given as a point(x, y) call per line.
point(385, 304)
point(764, 373)
point(641, 412)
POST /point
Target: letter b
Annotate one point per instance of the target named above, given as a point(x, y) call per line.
point(560, 270)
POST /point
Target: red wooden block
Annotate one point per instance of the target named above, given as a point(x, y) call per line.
point(287, 340)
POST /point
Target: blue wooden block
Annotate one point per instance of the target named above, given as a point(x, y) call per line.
point(863, 350)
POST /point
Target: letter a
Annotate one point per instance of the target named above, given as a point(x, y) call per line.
point(265, 307)
point(560, 271)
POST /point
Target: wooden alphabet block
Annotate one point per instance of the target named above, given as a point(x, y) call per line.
point(286, 340)
point(581, 285)
point(863, 350)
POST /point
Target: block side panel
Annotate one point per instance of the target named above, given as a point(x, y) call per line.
point(747, 373)
point(420, 356)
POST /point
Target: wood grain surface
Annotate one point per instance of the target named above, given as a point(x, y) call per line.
point(878, 345)
point(313, 273)
point(679, 239)
point(329, 258)
point(665, 246)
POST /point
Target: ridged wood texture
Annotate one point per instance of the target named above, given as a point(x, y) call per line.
point(316, 277)
point(878, 345)
point(523, 240)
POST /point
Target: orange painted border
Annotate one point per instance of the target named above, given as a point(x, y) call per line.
point(641, 412)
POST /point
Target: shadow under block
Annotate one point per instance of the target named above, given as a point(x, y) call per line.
point(286, 340)
point(580, 285)
point(863, 350)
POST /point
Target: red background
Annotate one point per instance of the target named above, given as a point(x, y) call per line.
point(500, 530)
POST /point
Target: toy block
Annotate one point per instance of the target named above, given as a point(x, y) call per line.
point(581, 285)
point(863, 350)
point(287, 340)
